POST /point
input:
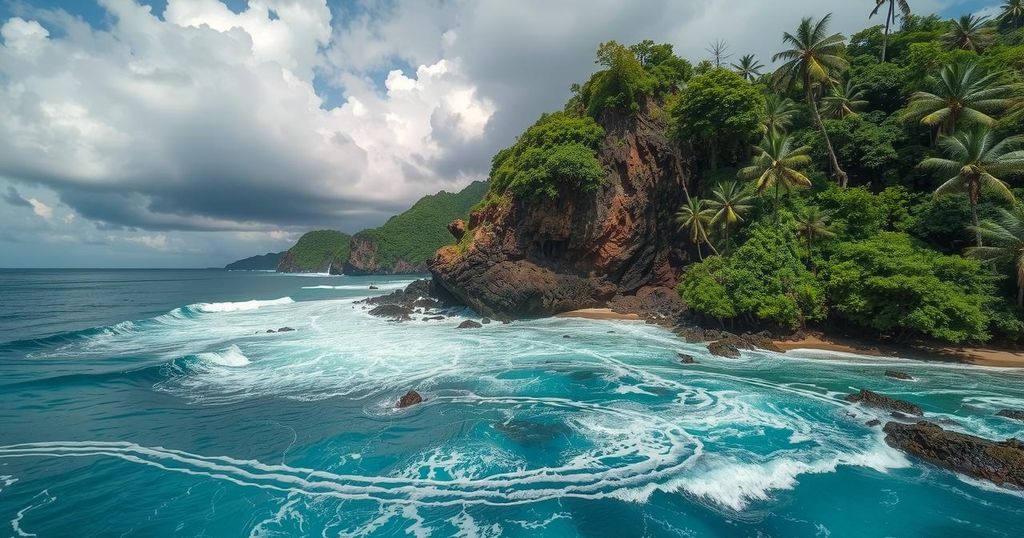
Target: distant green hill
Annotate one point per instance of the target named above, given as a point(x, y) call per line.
point(264, 262)
point(406, 242)
point(319, 251)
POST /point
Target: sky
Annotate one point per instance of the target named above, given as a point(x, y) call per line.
point(190, 133)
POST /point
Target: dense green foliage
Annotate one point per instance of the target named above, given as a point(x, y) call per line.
point(719, 110)
point(263, 262)
point(319, 250)
point(853, 187)
point(763, 279)
point(558, 151)
point(415, 235)
point(887, 284)
point(926, 138)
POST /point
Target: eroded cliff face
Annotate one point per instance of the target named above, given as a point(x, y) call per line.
point(579, 249)
point(364, 260)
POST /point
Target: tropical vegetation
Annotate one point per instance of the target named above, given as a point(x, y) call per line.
point(868, 184)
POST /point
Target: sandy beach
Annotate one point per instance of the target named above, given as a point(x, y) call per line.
point(979, 356)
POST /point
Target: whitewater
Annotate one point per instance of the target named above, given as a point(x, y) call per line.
point(157, 403)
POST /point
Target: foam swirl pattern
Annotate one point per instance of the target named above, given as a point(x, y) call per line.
point(198, 421)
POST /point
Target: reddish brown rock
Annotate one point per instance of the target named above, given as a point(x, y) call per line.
point(578, 250)
point(410, 398)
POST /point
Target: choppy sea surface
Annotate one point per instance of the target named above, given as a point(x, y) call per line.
point(154, 403)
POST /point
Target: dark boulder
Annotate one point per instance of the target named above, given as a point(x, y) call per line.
point(896, 374)
point(392, 312)
point(469, 324)
point(433, 318)
point(724, 348)
point(372, 287)
point(285, 330)
point(1011, 413)
point(686, 359)
point(457, 228)
point(1000, 462)
point(410, 398)
point(485, 321)
point(873, 399)
point(873, 422)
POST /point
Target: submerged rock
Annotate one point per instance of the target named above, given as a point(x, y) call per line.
point(285, 330)
point(392, 312)
point(1011, 413)
point(531, 434)
point(469, 324)
point(372, 287)
point(410, 398)
point(873, 422)
point(896, 374)
point(485, 321)
point(1000, 462)
point(873, 399)
point(433, 318)
point(686, 359)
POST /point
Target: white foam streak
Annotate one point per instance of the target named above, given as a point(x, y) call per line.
point(240, 306)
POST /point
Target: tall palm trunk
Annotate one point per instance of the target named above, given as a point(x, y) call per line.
point(973, 195)
point(888, 21)
point(841, 178)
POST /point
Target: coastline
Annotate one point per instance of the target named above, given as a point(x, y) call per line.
point(973, 356)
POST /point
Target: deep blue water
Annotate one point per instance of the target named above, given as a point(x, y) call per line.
point(153, 403)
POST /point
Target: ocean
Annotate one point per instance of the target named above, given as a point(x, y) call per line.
point(155, 403)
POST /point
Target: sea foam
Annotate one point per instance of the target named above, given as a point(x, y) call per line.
point(210, 308)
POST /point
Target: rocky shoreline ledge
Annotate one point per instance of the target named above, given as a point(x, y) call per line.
point(1000, 462)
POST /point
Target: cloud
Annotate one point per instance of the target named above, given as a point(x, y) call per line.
point(207, 119)
point(15, 198)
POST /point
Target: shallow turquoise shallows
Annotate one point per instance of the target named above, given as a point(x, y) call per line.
point(154, 403)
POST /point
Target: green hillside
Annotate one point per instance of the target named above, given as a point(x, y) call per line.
point(263, 262)
point(415, 235)
point(317, 251)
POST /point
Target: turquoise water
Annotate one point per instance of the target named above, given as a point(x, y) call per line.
point(153, 403)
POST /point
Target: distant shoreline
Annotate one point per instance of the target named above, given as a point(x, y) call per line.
point(974, 356)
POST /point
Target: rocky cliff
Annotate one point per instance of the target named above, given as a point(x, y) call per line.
point(521, 258)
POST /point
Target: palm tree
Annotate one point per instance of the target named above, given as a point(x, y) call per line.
point(813, 54)
point(961, 92)
point(748, 68)
point(890, 17)
point(844, 99)
point(729, 202)
point(811, 224)
point(1005, 239)
point(778, 114)
point(976, 160)
point(718, 50)
point(1013, 12)
point(969, 33)
point(695, 218)
point(777, 165)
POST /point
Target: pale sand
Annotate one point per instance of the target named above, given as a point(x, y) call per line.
point(597, 313)
point(966, 355)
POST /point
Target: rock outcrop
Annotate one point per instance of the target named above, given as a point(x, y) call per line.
point(896, 374)
point(410, 398)
point(1001, 462)
point(873, 399)
point(578, 250)
point(1011, 413)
